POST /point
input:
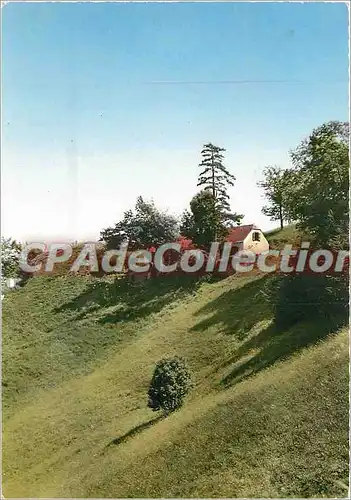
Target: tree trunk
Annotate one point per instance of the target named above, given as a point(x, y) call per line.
point(213, 177)
point(281, 217)
point(213, 190)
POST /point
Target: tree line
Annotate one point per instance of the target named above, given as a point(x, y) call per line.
point(312, 193)
point(208, 218)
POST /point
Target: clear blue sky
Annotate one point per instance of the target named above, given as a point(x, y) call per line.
point(103, 102)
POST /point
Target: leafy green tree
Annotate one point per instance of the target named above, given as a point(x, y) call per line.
point(10, 252)
point(317, 197)
point(275, 186)
point(206, 222)
point(202, 224)
point(318, 194)
point(144, 226)
point(169, 385)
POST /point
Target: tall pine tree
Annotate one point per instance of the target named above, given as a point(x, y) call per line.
point(216, 178)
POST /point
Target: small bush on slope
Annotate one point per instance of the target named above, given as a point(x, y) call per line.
point(169, 385)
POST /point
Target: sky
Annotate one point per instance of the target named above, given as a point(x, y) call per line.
point(102, 102)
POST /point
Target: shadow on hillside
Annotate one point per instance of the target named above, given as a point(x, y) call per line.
point(237, 310)
point(136, 430)
point(131, 300)
point(272, 346)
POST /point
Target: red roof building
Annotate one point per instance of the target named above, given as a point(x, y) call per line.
point(238, 234)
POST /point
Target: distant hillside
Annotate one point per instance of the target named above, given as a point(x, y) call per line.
point(268, 416)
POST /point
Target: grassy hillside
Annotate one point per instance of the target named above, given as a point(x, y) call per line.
point(268, 415)
point(279, 237)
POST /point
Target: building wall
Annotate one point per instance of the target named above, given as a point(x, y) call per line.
point(256, 246)
point(236, 247)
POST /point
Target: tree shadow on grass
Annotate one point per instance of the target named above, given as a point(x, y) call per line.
point(129, 300)
point(245, 313)
point(273, 346)
point(237, 310)
point(136, 430)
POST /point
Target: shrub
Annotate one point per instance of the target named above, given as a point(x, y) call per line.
point(10, 251)
point(169, 385)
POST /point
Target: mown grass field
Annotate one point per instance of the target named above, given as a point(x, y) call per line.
point(268, 416)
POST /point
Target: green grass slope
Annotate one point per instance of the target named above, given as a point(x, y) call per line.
point(277, 238)
point(268, 415)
